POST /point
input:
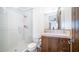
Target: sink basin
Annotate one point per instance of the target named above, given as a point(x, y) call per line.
point(57, 33)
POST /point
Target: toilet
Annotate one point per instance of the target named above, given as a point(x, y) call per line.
point(32, 47)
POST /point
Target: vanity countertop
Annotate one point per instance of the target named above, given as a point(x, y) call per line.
point(56, 35)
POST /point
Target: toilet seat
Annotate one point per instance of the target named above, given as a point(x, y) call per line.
point(31, 47)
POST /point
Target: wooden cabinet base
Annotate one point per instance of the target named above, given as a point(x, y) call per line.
point(53, 44)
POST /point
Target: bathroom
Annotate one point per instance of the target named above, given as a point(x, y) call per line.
point(36, 29)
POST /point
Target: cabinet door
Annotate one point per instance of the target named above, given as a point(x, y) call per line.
point(53, 44)
point(49, 44)
point(64, 45)
point(44, 44)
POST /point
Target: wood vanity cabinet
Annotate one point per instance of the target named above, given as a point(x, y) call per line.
point(55, 44)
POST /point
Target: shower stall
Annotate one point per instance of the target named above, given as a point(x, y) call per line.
point(15, 28)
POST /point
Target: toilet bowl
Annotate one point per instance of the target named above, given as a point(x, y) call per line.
point(31, 47)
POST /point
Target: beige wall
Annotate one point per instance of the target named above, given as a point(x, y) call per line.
point(66, 18)
point(39, 20)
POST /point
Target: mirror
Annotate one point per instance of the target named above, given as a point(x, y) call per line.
point(60, 19)
point(53, 20)
point(53, 24)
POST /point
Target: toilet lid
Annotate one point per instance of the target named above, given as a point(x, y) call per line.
point(32, 45)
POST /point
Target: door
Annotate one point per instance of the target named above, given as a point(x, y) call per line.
point(75, 29)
